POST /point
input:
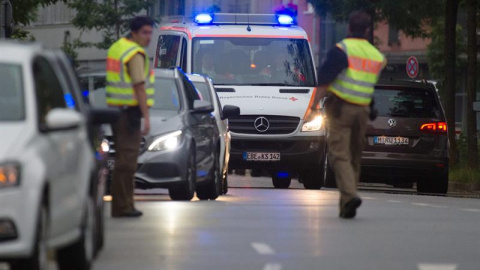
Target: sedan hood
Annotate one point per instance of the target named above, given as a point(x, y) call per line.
point(164, 121)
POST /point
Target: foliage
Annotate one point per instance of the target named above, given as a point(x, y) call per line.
point(111, 17)
point(409, 16)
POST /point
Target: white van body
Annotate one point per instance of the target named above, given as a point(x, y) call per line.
point(267, 70)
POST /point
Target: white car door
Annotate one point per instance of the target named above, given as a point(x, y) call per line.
point(62, 152)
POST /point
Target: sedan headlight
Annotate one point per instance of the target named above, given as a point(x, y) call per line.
point(166, 142)
point(9, 175)
point(314, 125)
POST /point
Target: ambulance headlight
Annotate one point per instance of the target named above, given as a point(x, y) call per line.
point(285, 19)
point(168, 141)
point(314, 125)
point(203, 18)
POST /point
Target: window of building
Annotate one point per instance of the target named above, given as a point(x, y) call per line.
point(393, 36)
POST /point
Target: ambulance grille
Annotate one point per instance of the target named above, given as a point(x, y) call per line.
point(277, 124)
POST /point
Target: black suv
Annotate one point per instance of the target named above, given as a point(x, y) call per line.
point(408, 140)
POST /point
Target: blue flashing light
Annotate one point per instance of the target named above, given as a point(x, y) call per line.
point(85, 93)
point(285, 19)
point(203, 18)
point(69, 100)
point(283, 174)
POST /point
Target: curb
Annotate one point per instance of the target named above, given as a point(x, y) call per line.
point(466, 187)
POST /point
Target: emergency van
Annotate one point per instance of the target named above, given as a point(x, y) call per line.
point(263, 64)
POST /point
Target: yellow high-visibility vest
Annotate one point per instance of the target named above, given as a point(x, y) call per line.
point(119, 87)
point(356, 83)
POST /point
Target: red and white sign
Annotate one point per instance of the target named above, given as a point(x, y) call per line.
point(412, 67)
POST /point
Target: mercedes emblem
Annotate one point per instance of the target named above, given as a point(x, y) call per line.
point(261, 124)
point(392, 122)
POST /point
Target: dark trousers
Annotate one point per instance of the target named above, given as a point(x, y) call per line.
point(347, 127)
point(127, 138)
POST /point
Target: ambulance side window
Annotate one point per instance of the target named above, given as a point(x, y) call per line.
point(167, 51)
point(183, 55)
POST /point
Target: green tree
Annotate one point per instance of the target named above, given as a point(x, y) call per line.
point(25, 12)
point(111, 17)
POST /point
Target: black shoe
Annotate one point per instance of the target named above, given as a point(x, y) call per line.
point(131, 213)
point(350, 208)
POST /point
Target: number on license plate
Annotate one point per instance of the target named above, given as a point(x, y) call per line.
point(390, 140)
point(255, 156)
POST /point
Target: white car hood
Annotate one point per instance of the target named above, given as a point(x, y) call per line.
point(266, 100)
point(13, 137)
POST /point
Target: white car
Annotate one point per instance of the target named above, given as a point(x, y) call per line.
point(51, 170)
point(205, 87)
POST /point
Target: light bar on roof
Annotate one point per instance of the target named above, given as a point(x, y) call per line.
point(203, 18)
point(285, 19)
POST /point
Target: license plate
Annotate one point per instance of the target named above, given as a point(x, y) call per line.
point(385, 140)
point(255, 156)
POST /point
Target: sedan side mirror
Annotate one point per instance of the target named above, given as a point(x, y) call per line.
point(98, 116)
point(202, 106)
point(230, 111)
point(62, 119)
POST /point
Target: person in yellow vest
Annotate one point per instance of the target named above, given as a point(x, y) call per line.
point(347, 78)
point(130, 88)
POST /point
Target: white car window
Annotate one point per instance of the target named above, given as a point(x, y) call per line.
point(12, 104)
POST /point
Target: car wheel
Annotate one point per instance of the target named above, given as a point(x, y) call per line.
point(186, 190)
point(213, 188)
point(436, 183)
point(39, 258)
point(281, 182)
point(329, 176)
point(79, 255)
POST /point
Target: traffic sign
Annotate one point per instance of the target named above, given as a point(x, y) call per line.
point(412, 67)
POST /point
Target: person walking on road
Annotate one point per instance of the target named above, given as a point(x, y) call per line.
point(130, 88)
point(348, 77)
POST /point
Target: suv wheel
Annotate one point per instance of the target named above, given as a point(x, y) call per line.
point(186, 190)
point(281, 182)
point(39, 258)
point(79, 255)
point(436, 183)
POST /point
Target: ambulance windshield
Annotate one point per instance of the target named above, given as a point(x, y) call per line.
point(254, 61)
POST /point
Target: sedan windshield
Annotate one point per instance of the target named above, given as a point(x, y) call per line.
point(12, 105)
point(166, 95)
point(254, 61)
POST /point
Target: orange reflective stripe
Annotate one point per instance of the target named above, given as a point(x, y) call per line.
point(113, 65)
point(365, 65)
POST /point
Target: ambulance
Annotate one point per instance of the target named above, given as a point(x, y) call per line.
point(263, 64)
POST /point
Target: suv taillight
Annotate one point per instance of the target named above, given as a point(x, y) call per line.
point(438, 127)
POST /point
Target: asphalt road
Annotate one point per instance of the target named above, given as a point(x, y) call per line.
point(258, 227)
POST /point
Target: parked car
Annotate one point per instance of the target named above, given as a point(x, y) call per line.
point(408, 140)
point(182, 151)
point(205, 87)
point(52, 172)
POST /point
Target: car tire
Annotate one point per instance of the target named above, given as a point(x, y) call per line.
point(436, 183)
point(313, 179)
point(186, 190)
point(39, 259)
point(329, 176)
point(79, 255)
point(213, 188)
point(281, 182)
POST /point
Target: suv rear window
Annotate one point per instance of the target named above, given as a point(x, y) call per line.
point(408, 102)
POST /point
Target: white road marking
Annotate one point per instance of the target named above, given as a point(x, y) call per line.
point(471, 210)
point(421, 204)
point(262, 248)
point(272, 266)
point(432, 266)
point(393, 201)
